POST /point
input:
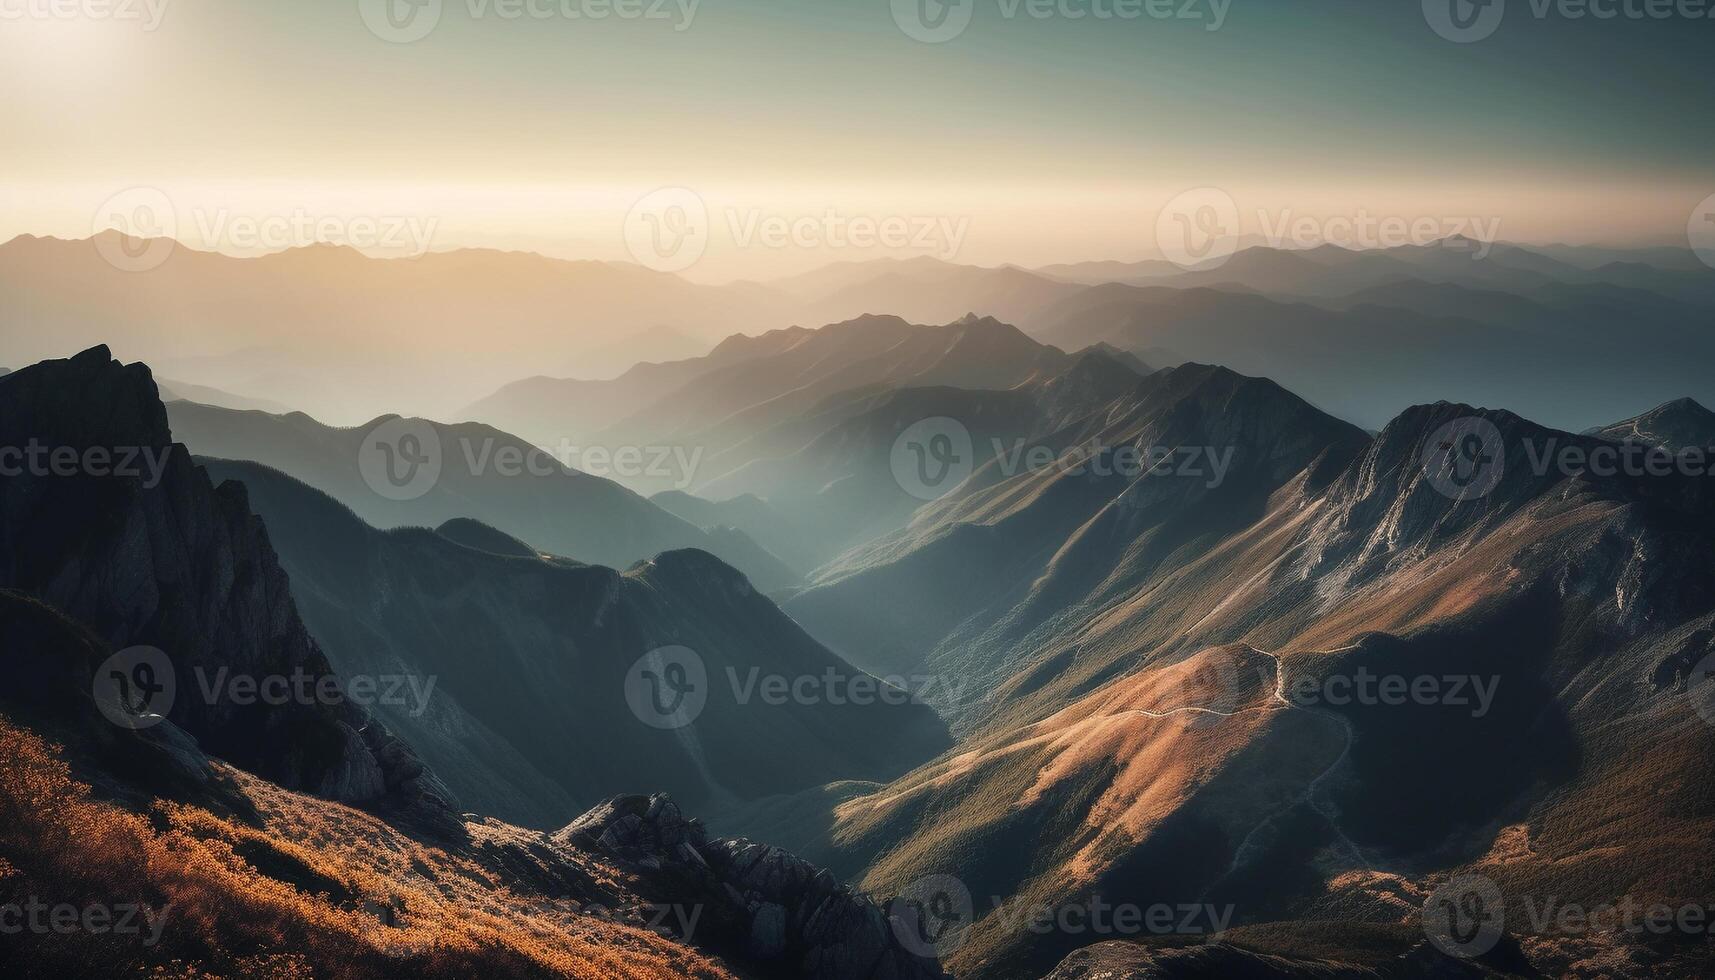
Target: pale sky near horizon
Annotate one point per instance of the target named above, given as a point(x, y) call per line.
point(1024, 139)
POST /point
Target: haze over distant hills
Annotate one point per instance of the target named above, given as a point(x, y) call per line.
point(1138, 540)
point(480, 473)
point(264, 328)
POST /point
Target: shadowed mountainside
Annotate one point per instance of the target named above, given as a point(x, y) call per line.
point(531, 654)
point(134, 542)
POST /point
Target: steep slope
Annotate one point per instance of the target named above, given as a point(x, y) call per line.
point(201, 869)
point(475, 472)
point(1162, 470)
point(1177, 722)
point(852, 482)
point(530, 656)
point(109, 522)
point(130, 810)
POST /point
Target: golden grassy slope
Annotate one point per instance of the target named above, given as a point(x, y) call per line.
point(316, 889)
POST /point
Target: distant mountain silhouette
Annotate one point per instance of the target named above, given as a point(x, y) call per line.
point(350, 337)
point(535, 499)
point(922, 290)
point(1542, 352)
point(173, 391)
point(806, 418)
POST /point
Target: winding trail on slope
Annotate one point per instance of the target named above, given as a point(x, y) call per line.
point(1326, 810)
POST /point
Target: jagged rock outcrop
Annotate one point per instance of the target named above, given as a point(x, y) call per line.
point(757, 903)
point(105, 519)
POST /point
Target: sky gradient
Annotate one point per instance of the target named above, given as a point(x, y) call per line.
point(1040, 139)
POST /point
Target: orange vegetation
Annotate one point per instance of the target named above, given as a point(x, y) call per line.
point(359, 899)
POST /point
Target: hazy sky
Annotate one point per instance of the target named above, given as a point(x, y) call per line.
point(1029, 137)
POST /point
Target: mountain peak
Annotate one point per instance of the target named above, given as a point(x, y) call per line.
point(1680, 424)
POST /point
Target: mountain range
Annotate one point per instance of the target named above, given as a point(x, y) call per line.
point(196, 317)
point(1289, 597)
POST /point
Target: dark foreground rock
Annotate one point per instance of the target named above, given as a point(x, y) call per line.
point(106, 520)
point(751, 902)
